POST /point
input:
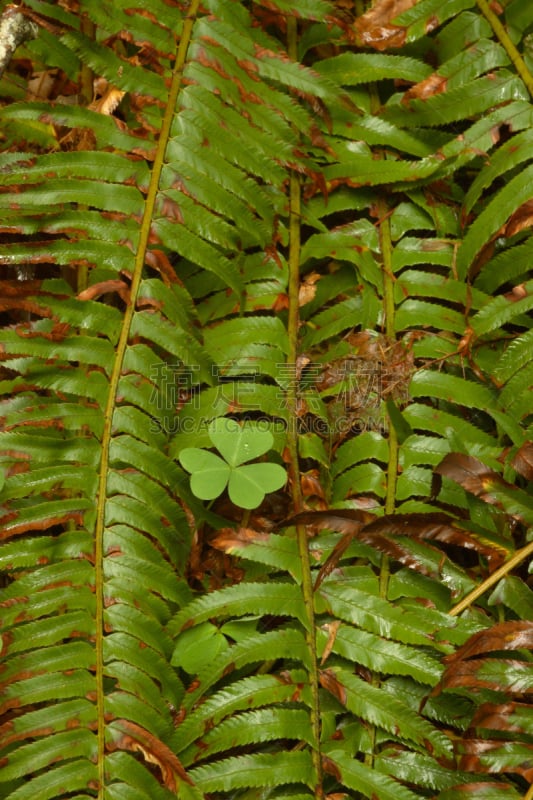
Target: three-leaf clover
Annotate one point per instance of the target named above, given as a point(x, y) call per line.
point(247, 483)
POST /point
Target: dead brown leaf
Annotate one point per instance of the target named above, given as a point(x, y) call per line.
point(465, 674)
point(331, 629)
point(228, 539)
point(106, 287)
point(471, 752)
point(160, 261)
point(434, 84)
point(307, 290)
point(523, 461)
point(502, 717)
point(329, 681)
point(374, 28)
point(135, 739)
point(512, 635)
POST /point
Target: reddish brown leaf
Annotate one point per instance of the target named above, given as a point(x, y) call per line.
point(11, 528)
point(381, 532)
point(500, 717)
point(432, 526)
point(331, 768)
point(331, 629)
point(473, 750)
point(229, 539)
point(159, 261)
point(342, 520)
point(334, 557)
point(434, 84)
point(60, 331)
point(467, 471)
point(19, 288)
point(465, 674)
point(106, 287)
point(474, 477)
point(48, 23)
point(374, 28)
point(400, 551)
point(520, 220)
point(517, 293)
point(502, 636)
point(281, 302)
point(523, 461)
point(312, 486)
point(130, 736)
point(329, 681)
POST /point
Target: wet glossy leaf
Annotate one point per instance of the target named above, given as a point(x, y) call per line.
point(481, 790)
point(502, 636)
point(256, 770)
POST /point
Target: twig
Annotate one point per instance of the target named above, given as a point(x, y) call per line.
point(506, 41)
point(487, 584)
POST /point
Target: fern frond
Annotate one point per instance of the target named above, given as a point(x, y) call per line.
point(394, 717)
point(257, 770)
point(276, 599)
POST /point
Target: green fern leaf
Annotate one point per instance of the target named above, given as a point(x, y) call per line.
point(278, 551)
point(502, 310)
point(241, 695)
point(258, 598)
point(77, 774)
point(351, 69)
point(377, 616)
point(261, 769)
point(389, 713)
point(254, 727)
point(354, 775)
point(497, 212)
point(419, 769)
point(516, 356)
point(451, 387)
point(308, 9)
point(390, 658)
point(509, 155)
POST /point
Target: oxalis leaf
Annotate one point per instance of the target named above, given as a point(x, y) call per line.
point(210, 474)
point(237, 443)
point(247, 483)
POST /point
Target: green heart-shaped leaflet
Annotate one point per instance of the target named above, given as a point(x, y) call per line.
point(239, 443)
point(210, 474)
point(249, 483)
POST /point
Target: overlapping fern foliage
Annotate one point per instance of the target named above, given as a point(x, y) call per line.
point(312, 218)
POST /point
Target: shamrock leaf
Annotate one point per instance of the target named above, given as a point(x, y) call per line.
point(238, 443)
point(247, 483)
point(210, 474)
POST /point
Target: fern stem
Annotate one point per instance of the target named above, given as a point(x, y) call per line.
point(86, 74)
point(487, 584)
point(115, 380)
point(505, 40)
point(389, 310)
point(392, 463)
point(293, 325)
